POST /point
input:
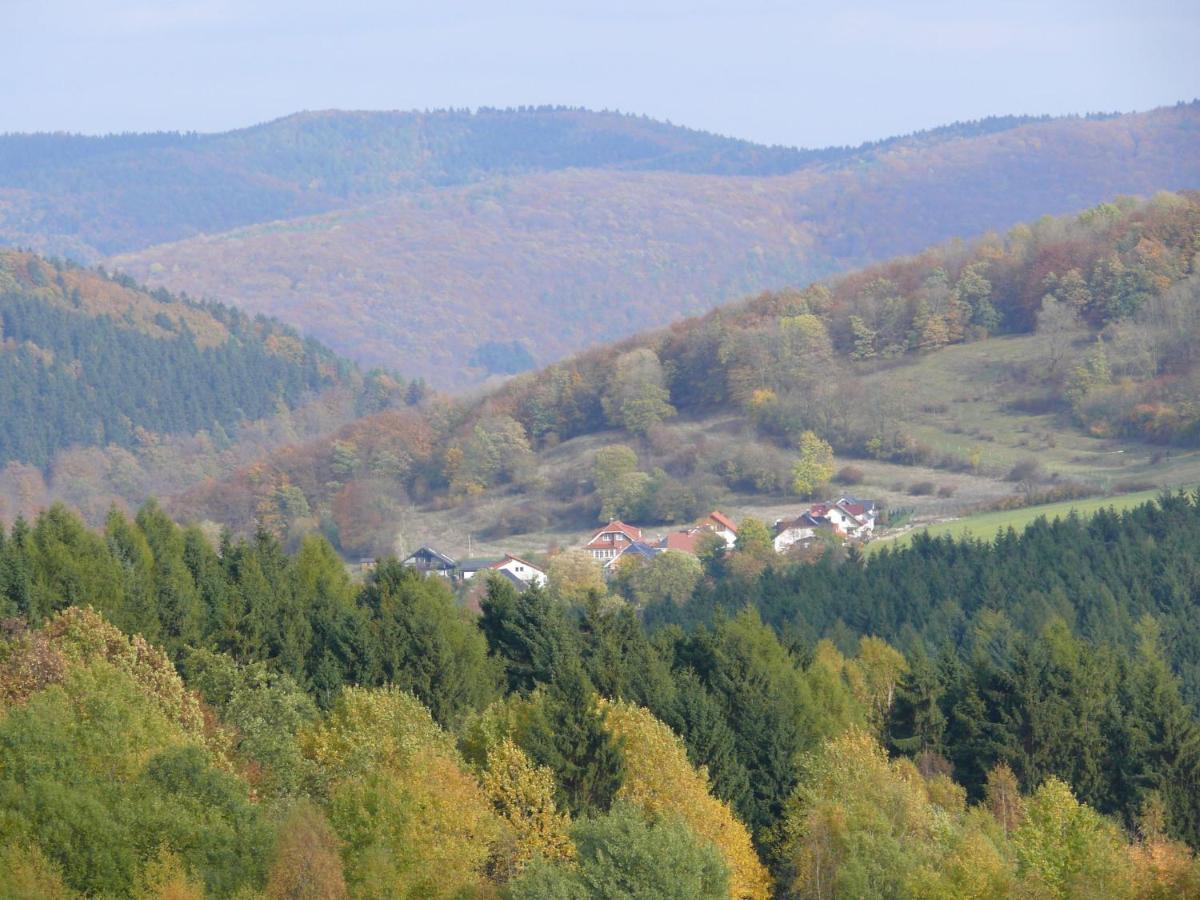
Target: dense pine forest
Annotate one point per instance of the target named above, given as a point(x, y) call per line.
point(955, 719)
point(81, 376)
point(114, 393)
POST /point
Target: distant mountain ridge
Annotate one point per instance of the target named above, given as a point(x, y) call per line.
point(89, 197)
point(559, 260)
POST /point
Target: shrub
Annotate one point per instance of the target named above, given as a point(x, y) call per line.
point(1026, 470)
point(921, 488)
point(850, 475)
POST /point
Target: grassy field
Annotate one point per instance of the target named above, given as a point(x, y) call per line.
point(988, 525)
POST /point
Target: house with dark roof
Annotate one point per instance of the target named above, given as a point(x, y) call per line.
point(428, 561)
point(847, 517)
point(638, 550)
point(789, 532)
point(469, 568)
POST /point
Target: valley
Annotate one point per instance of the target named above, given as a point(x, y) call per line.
point(559, 260)
point(542, 503)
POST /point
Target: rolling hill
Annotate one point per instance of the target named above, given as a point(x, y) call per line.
point(109, 388)
point(89, 197)
point(550, 245)
point(1056, 360)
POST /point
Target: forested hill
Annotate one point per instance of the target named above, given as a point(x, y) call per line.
point(95, 196)
point(1021, 733)
point(1078, 332)
point(91, 360)
point(559, 260)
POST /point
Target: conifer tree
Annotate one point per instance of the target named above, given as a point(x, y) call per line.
point(568, 736)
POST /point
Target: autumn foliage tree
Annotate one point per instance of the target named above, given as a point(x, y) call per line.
point(660, 780)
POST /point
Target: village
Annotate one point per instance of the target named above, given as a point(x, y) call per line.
point(619, 544)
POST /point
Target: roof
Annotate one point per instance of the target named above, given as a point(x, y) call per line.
point(430, 554)
point(723, 520)
point(630, 531)
point(508, 557)
point(477, 563)
point(804, 520)
point(637, 548)
point(641, 548)
point(868, 504)
point(684, 541)
point(519, 583)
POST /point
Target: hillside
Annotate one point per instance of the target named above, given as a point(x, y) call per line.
point(89, 197)
point(1056, 360)
point(96, 367)
point(188, 718)
point(546, 263)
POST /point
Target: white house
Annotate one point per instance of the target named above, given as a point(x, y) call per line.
point(846, 516)
point(789, 532)
point(722, 526)
point(523, 569)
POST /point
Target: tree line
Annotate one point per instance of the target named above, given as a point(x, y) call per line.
point(964, 718)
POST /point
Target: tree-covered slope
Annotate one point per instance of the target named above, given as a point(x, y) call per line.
point(557, 260)
point(1063, 351)
point(88, 360)
point(1024, 732)
point(91, 196)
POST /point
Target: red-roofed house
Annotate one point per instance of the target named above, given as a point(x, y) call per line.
point(686, 540)
point(683, 541)
point(609, 542)
point(722, 526)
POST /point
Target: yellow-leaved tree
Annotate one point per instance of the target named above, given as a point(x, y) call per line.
point(412, 820)
point(860, 824)
point(1067, 849)
point(660, 780)
point(522, 793)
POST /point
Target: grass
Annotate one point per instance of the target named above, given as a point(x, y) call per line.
point(966, 398)
point(987, 525)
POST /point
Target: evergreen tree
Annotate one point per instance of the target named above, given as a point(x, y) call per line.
point(567, 735)
point(528, 632)
point(917, 724)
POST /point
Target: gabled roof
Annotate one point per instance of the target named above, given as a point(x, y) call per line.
point(429, 554)
point(508, 557)
point(804, 520)
point(630, 531)
point(723, 520)
point(684, 541)
point(477, 563)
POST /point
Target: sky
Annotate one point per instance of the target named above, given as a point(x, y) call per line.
point(796, 73)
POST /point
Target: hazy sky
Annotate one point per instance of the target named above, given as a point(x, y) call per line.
point(798, 73)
